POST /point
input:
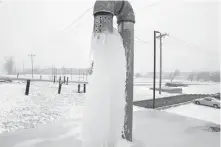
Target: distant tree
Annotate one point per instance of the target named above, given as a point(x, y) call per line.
point(205, 76)
point(137, 75)
point(190, 77)
point(9, 64)
point(215, 77)
point(174, 74)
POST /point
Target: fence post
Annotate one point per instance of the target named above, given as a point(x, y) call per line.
point(27, 87)
point(84, 88)
point(54, 79)
point(64, 79)
point(59, 88)
point(79, 88)
point(67, 81)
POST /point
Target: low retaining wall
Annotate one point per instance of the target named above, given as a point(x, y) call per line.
point(167, 101)
point(170, 90)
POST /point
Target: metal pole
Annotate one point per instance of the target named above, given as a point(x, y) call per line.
point(32, 66)
point(52, 72)
point(160, 83)
point(32, 55)
point(154, 69)
point(126, 30)
point(71, 73)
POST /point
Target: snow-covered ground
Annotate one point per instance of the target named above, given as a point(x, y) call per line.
point(151, 128)
point(197, 111)
point(202, 89)
point(43, 105)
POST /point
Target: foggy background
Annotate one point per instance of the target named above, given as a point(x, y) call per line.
point(59, 33)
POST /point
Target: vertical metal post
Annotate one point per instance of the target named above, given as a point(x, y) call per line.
point(126, 29)
point(71, 73)
point(32, 66)
point(160, 83)
point(154, 69)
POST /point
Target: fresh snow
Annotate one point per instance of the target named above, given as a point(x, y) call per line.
point(43, 105)
point(202, 89)
point(197, 111)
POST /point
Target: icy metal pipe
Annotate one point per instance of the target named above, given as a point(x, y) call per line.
point(104, 11)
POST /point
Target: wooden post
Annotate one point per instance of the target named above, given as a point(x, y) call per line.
point(64, 79)
point(59, 88)
point(79, 88)
point(27, 87)
point(54, 78)
point(84, 88)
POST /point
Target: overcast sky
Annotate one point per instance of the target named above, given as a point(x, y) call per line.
point(28, 26)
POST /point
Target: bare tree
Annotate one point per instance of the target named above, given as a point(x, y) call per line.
point(9, 64)
point(190, 76)
point(174, 74)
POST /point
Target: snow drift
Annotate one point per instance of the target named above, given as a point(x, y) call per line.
point(105, 100)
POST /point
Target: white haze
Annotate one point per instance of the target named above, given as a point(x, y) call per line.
point(104, 106)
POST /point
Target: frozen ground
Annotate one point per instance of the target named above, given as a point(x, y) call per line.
point(151, 128)
point(43, 105)
point(197, 111)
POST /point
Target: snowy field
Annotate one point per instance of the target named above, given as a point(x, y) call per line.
point(43, 105)
point(142, 91)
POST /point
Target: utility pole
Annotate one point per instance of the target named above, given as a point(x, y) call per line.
point(154, 68)
point(160, 37)
point(32, 56)
point(52, 72)
point(23, 67)
point(71, 73)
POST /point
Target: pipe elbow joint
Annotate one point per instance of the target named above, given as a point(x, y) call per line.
point(126, 14)
point(122, 9)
